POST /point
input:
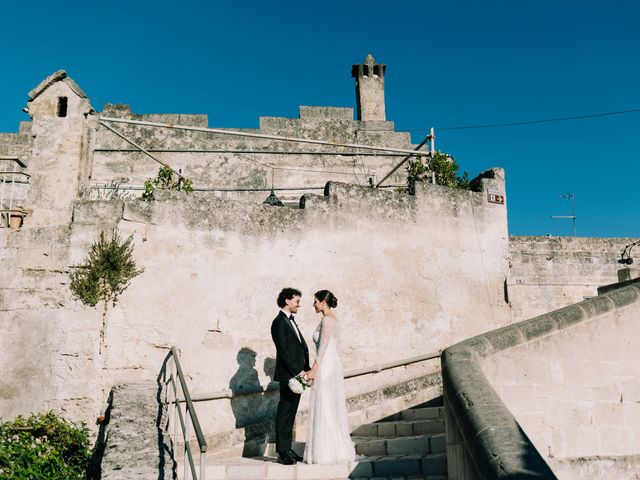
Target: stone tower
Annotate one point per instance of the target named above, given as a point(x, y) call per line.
point(58, 166)
point(370, 89)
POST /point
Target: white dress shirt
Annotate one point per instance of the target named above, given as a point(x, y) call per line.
point(293, 324)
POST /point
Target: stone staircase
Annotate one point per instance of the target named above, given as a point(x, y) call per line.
point(407, 445)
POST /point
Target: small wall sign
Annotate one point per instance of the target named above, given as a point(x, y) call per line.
point(495, 197)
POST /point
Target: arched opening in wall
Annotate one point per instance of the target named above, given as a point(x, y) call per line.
point(365, 70)
point(62, 106)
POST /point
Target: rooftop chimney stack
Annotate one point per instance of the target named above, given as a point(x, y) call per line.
point(370, 89)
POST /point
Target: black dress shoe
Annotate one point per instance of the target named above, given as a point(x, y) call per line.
point(286, 459)
point(294, 455)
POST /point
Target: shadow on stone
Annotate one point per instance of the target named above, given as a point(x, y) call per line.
point(165, 445)
point(94, 470)
point(247, 403)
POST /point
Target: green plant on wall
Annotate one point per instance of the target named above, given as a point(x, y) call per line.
point(106, 271)
point(43, 447)
point(442, 166)
point(104, 275)
point(165, 181)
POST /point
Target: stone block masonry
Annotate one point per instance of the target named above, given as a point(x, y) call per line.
point(136, 447)
point(546, 273)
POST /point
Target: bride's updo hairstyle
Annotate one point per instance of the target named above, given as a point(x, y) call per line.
point(327, 296)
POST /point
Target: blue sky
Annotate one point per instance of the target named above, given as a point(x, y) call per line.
point(449, 64)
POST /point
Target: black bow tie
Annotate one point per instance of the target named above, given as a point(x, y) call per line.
point(291, 318)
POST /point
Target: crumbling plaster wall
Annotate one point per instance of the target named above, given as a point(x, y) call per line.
point(213, 268)
point(547, 273)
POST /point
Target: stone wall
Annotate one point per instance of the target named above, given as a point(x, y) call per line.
point(576, 392)
point(244, 167)
point(560, 390)
point(546, 273)
point(213, 268)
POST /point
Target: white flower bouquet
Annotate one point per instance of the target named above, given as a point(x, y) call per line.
point(299, 384)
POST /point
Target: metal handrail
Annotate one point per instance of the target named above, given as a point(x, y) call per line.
point(176, 371)
point(8, 177)
point(273, 386)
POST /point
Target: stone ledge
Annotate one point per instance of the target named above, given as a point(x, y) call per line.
point(135, 445)
point(499, 448)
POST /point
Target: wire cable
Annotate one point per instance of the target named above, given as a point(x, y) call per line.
point(531, 122)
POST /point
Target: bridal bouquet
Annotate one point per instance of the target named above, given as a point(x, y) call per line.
point(299, 384)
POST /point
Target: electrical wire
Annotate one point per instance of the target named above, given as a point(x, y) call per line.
point(531, 122)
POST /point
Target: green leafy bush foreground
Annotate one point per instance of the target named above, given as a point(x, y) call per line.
point(43, 446)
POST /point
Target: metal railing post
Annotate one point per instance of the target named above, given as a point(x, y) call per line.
point(174, 412)
point(13, 183)
point(185, 434)
point(203, 466)
point(187, 421)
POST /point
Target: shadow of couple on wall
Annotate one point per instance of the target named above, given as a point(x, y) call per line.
point(253, 408)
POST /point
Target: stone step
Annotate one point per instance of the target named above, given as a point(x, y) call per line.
point(400, 445)
point(375, 445)
point(424, 465)
point(429, 466)
point(400, 428)
point(422, 413)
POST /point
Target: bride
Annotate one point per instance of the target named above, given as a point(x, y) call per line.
point(328, 439)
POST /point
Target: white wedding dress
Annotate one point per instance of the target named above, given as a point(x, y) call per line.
point(328, 439)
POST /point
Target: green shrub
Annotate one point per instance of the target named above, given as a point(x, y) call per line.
point(443, 166)
point(106, 272)
point(165, 181)
point(43, 447)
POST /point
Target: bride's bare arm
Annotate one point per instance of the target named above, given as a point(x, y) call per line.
point(328, 330)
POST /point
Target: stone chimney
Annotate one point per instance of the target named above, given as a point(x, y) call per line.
point(370, 89)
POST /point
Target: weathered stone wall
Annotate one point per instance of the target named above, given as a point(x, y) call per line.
point(213, 268)
point(50, 344)
point(60, 131)
point(576, 392)
point(217, 266)
point(547, 273)
point(231, 163)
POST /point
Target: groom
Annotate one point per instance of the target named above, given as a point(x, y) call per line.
point(292, 358)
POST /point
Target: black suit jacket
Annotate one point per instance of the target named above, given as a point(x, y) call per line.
point(292, 355)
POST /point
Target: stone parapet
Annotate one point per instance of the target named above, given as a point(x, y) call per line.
point(342, 113)
point(136, 446)
point(481, 395)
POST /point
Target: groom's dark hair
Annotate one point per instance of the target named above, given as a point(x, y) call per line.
point(287, 294)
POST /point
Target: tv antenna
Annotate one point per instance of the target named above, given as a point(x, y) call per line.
point(569, 196)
